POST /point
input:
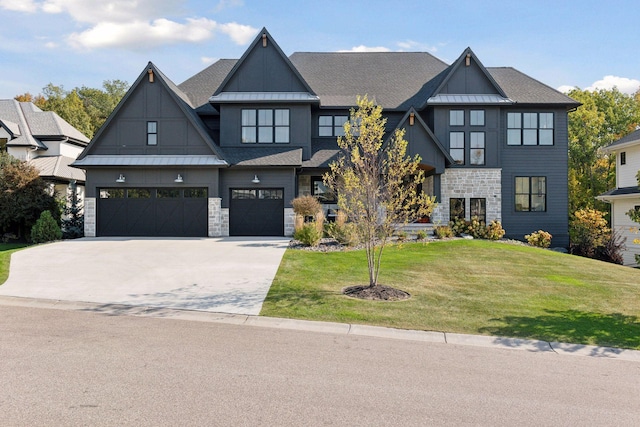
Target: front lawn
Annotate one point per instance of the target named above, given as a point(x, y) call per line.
point(6, 249)
point(474, 287)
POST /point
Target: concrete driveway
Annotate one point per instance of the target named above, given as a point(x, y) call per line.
point(228, 275)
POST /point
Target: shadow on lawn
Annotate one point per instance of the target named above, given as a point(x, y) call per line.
point(572, 326)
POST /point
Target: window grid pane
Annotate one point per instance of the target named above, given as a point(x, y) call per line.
point(265, 134)
point(478, 207)
point(456, 209)
point(265, 117)
point(456, 118)
point(514, 120)
point(477, 118)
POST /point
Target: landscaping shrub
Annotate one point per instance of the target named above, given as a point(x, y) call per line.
point(588, 231)
point(443, 232)
point(611, 251)
point(401, 236)
point(458, 226)
point(477, 228)
point(46, 229)
point(495, 230)
point(308, 234)
point(307, 206)
point(540, 238)
point(344, 234)
point(421, 235)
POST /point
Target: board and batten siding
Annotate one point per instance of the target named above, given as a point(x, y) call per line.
point(548, 161)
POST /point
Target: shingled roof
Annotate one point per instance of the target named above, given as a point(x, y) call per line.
point(200, 87)
point(633, 137)
point(526, 90)
point(392, 78)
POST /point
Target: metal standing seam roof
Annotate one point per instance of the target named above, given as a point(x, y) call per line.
point(149, 160)
point(468, 99)
point(231, 97)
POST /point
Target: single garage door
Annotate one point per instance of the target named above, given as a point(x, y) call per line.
point(168, 212)
point(256, 212)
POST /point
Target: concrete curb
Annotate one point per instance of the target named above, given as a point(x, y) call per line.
point(563, 349)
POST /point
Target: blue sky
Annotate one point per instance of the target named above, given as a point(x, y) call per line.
point(589, 44)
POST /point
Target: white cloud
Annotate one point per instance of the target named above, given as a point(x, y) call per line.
point(566, 88)
point(363, 48)
point(142, 34)
point(206, 60)
point(240, 34)
point(624, 84)
point(28, 6)
point(95, 12)
point(412, 45)
point(225, 4)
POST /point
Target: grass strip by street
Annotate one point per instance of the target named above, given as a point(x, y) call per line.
point(6, 249)
point(472, 287)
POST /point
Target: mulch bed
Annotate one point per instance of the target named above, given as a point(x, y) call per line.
point(376, 293)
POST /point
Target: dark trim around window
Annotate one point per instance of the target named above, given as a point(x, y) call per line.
point(528, 128)
point(530, 193)
point(152, 133)
point(456, 208)
point(265, 126)
point(623, 158)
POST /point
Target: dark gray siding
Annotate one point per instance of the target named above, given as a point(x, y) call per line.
point(491, 130)
point(548, 161)
point(269, 178)
point(152, 177)
point(299, 126)
point(469, 79)
point(264, 70)
point(127, 132)
point(421, 143)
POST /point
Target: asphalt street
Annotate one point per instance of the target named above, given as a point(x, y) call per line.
point(67, 368)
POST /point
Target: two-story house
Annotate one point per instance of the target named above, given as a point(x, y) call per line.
point(226, 151)
point(45, 140)
point(626, 195)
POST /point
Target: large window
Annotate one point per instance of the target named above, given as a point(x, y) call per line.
point(531, 194)
point(456, 118)
point(265, 126)
point(456, 209)
point(331, 125)
point(456, 147)
point(478, 207)
point(476, 141)
point(152, 133)
point(476, 117)
point(319, 190)
point(530, 128)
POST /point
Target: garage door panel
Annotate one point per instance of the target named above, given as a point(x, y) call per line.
point(256, 212)
point(153, 212)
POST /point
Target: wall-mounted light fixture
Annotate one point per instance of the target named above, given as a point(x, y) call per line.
point(178, 179)
point(412, 117)
point(467, 60)
point(264, 40)
point(120, 179)
point(255, 179)
point(150, 72)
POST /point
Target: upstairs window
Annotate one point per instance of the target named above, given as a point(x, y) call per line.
point(152, 133)
point(623, 155)
point(456, 147)
point(531, 194)
point(456, 118)
point(477, 148)
point(529, 128)
point(331, 125)
point(476, 117)
point(265, 126)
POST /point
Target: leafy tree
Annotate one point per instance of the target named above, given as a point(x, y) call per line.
point(73, 221)
point(46, 229)
point(375, 182)
point(605, 116)
point(635, 214)
point(84, 108)
point(23, 196)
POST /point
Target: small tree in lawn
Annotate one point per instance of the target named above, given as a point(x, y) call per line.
point(376, 182)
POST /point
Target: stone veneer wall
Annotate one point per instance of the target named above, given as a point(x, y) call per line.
point(90, 217)
point(467, 184)
point(289, 221)
point(224, 219)
point(214, 219)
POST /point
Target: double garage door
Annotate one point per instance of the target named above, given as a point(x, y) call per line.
point(152, 212)
point(183, 212)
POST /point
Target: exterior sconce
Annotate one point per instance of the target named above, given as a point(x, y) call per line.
point(264, 40)
point(255, 179)
point(120, 179)
point(179, 179)
point(412, 117)
point(150, 72)
point(467, 60)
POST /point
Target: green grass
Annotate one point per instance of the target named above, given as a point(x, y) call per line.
point(6, 249)
point(475, 287)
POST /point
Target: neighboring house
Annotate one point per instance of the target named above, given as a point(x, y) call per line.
point(226, 151)
point(626, 195)
point(45, 140)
